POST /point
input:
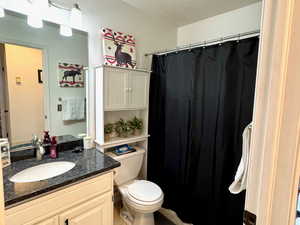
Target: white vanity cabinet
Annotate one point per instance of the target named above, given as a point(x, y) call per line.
point(86, 203)
point(51, 221)
point(124, 89)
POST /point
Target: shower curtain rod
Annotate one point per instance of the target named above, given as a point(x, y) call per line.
point(206, 43)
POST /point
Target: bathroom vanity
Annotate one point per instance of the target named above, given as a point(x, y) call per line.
point(81, 196)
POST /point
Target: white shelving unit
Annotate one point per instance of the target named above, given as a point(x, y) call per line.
point(121, 93)
point(116, 141)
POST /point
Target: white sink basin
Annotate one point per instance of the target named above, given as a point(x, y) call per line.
point(42, 172)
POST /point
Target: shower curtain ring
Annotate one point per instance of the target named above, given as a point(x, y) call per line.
point(221, 41)
point(190, 47)
point(204, 45)
point(239, 38)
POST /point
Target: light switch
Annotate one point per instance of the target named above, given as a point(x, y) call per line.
point(59, 107)
point(18, 80)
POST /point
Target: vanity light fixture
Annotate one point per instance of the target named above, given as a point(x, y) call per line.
point(38, 7)
point(2, 12)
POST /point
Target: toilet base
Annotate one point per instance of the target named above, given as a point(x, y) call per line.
point(126, 217)
point(139, 218)
point(143, 219)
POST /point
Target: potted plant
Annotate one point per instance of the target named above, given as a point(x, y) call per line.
point(136, 126)
point(108, 130)
point(122, 128)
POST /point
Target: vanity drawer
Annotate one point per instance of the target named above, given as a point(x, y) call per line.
point(57, 202)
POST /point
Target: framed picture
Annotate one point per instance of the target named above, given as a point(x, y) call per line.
point(71, 75)
point(118, 49)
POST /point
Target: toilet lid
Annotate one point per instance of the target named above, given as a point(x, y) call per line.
point(144, 191)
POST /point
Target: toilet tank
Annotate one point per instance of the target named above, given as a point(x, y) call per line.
point(131, 165)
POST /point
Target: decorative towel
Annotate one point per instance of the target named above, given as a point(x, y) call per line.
point(240, 180)
point(73, 109)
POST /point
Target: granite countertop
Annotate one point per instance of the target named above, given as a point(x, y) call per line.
point(88, 163)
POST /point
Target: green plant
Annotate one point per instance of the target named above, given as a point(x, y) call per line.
point(108, 128)
point(122, 127)
point(136, 124)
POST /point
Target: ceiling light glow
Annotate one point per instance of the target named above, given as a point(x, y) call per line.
point(2, 13)
point(2, 6)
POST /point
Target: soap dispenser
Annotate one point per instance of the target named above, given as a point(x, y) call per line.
point(47, 142)
point(53, 148)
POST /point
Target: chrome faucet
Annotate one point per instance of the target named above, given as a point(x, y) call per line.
point(38, 145)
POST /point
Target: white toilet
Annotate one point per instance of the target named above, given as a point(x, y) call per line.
point(140, 198)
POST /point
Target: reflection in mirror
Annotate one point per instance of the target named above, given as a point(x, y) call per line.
point(42, 81)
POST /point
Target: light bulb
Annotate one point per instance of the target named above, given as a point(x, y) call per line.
point(34, 21)
point(2, 5)
point(2, 13)
point(65, 30)
point(76, 16)
point(34, 18)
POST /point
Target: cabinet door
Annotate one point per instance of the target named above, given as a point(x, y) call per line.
point(138, 89)
point(115, 89)
point(51, 221)
point(98, 211)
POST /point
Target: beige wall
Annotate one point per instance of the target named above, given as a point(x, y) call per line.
point(233, 22)
point(26, 106)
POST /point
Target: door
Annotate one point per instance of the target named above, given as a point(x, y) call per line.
point(115, 89)
point(138, 89)
point(51, 221)
point(25, 92)
point(274, 168)
point(98, 211)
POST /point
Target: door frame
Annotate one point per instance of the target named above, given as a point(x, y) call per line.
point(274, 158)
point(3, 119)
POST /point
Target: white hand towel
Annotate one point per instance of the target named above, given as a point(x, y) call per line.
point(73, 109)
point(240, 180)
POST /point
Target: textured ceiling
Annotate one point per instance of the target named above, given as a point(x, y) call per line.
point(182, 12)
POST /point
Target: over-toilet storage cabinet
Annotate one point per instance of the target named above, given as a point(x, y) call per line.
point(124, 89)
point(87, 203)
point(121, 93)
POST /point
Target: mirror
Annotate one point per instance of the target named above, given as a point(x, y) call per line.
point(42, 80)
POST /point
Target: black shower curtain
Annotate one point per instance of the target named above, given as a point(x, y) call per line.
point(200, 102)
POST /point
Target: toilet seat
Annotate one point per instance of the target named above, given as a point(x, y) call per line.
point(144, 192)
